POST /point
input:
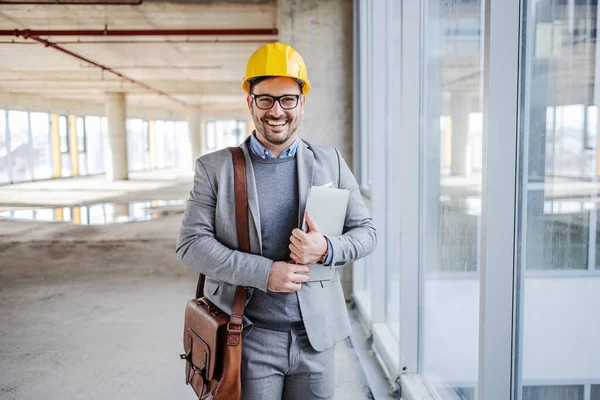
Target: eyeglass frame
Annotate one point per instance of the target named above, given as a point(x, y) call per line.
point(277, 99)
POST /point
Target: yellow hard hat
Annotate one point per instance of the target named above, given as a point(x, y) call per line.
point(276, 59)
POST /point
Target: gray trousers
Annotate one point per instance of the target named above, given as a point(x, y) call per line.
point(283, 365)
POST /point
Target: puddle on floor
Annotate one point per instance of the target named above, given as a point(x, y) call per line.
point(97, 214)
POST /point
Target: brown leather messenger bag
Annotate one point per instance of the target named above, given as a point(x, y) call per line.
point(212, 340)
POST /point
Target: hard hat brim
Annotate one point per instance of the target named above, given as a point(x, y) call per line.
point(246, 82)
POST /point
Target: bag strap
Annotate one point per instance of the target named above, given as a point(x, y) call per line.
point(235, 326)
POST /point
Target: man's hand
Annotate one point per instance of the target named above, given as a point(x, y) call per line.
point(309, 247)
point(284, 277)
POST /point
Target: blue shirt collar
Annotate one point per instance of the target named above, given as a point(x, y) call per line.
point(261, 151)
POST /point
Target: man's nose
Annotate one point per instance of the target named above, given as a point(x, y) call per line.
point(276, 110)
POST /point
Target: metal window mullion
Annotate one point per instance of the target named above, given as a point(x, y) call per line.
point(8, 147)
point(498, 211)
point(357, 272)
point(356, 150)
point(378, 164)
point(50, 152)
point(587, 391)
point(409, 184)
point(30, 138)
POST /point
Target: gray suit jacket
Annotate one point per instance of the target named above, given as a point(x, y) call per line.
point(208, 237)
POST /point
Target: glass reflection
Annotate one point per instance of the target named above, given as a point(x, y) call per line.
point(559, 287)
point(98, 214)
point(452, 183)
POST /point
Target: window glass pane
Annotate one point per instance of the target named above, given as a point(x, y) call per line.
point(553, 393)
point(82, 146)
point(595, 393)
point(211, 136)
point(184, 154)
point(80, 135)
point(136, 144)
point(18, 125)
point(558, 200)
point(452, 183)
point(242, 131)
point(42, 153)
point(160, 144)
point(365, 90)
point(4, 162)
point(95, 157)
point(170, 144)
point(64, 134)
point(392, 104)
point(65, 157)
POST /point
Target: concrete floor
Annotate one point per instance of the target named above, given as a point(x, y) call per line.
point(96, 312)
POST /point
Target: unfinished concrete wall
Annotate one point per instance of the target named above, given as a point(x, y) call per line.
point(322, 32)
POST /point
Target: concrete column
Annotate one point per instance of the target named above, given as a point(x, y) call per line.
point(195, 135)
point(460, 106)
point(321, 31)
point(116, 155)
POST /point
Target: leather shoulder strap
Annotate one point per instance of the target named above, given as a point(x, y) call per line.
point(234, 329)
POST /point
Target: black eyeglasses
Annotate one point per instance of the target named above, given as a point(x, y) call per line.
point(266, 102)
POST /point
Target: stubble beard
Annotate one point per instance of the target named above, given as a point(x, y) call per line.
point(263, 129)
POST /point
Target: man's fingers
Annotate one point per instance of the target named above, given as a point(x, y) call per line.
point(295, 258)
point(312, 225)
point(294, 240)
point(301, 278)
point(298, 234)
point(293, 286)
point(301, 269)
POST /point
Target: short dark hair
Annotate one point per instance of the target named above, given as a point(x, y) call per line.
point(255, 81)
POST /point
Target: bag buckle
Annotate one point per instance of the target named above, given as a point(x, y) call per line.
point(240, 330)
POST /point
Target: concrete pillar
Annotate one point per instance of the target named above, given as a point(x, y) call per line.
point(321, 31)
point(116, 156)
point(195, 135)
point(460, 106)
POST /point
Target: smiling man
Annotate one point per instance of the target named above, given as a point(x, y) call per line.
point(291, 324)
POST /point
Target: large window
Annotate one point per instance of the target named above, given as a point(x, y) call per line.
point(138, 147)
point(4, 150)
point(95, 142)
point(42, 150)
point(18, 125)
point(451, 207)
point(559, 287)
point(225, 133)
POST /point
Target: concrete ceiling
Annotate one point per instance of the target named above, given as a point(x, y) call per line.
point(203, 72)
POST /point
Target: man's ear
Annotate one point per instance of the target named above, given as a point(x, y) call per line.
point(249, 101)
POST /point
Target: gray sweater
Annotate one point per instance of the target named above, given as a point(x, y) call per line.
point(277, 188)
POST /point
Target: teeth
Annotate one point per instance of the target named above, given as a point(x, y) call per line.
point(276, 123)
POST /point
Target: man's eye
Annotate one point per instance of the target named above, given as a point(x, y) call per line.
point(264, 101)
point(288, 101)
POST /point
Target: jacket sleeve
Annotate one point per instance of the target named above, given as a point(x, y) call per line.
point(198, 248)
point(359, 238)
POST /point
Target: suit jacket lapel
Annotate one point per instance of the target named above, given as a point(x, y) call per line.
point(252, 194)
point(305, 160)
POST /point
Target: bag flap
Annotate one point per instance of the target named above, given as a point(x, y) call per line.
point(205, 335)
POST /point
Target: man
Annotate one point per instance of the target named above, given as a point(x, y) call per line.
point(291, 325)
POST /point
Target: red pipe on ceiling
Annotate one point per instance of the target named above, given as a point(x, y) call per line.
point(108, 69)
point(74, 2)
point(72, 42)
point(140, 32)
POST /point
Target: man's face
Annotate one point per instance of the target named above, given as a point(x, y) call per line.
point(276, 125)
